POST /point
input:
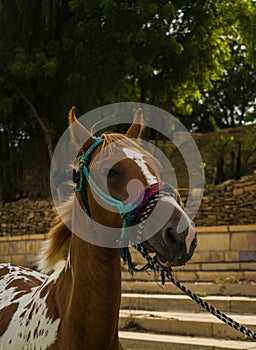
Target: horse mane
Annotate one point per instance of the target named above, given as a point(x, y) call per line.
point(57, 246)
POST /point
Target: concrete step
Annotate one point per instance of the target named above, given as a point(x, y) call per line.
point(183, 323)
point(206, 288)
point(149, 341)
point(163, 302)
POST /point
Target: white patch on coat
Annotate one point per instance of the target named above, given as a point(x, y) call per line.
point(31, 326)
point(138, 158)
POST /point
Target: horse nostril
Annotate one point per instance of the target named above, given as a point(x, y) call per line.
point(169, 236)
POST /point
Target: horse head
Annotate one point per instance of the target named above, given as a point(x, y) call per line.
point(119, 185)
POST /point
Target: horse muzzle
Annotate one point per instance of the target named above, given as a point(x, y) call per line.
point(175, 242)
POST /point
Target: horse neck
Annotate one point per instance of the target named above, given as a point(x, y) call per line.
point(91, 286)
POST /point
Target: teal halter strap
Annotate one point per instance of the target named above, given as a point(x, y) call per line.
point(145, 199)
point(126, 211)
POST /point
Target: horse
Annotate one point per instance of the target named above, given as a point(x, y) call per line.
point(73, 302)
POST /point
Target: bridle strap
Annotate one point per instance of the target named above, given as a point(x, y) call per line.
point(128, 212)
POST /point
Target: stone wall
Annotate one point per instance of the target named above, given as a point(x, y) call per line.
point(223, 252)
point(21, 250)
point(231, 203)
point(26, 216)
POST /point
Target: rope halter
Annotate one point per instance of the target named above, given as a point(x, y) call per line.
point(139, 208)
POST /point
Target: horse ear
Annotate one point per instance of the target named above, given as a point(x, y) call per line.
point(136, 128)
point(80, 136)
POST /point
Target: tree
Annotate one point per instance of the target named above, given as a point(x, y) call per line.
point(230, 99)
point(91, 53)
point(246, 15)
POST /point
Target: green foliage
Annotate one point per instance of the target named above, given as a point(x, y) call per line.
point(230, 158)
point(247, 150)
point(231, 100)
point(56, 54)
point(219, 147)
point(246, 15)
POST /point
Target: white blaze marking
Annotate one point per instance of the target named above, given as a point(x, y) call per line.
point(185, 221)
point(27, 331)
point(138, 159)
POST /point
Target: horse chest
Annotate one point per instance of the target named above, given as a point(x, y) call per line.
point(26, 321)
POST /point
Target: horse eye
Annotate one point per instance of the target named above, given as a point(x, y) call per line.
point(108, 173)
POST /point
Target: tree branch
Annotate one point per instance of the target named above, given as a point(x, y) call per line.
point(48, 139)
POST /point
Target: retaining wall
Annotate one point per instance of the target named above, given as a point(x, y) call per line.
point(21, 250)
point(27, 216)
point(230, 203)
point(223, 251)
point(224, 254)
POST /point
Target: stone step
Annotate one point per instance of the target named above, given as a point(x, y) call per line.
point(213, 263)
point(184, 324)
point(202, 288)
point(163, 302)
point(198, 275)
point(149, 341)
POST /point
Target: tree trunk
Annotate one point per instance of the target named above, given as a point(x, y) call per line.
point(48, 139)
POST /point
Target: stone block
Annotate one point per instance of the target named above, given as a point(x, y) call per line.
point(212, 229)
point(239, 241)
point(247, 255)
point(18, 260)
point(213, 276)
point(21, 247)
point(186, 276)
point(13, 248)
point(251, 241)
point(14, 238)
point(231, 256)
point(248, 266)
point(4, 248)
point(238, 191)
point(220, 266)
point(201, 256)
point(241, 228)
point(213, 241)
point(37, 236)
point(250, 275)
point(31, 247)
point(251, 188)
point(216, 256)
point(190, 266)
point(5, 258)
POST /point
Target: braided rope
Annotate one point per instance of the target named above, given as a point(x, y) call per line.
point(211, 309)
point(166, 273)
point(147, 211)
